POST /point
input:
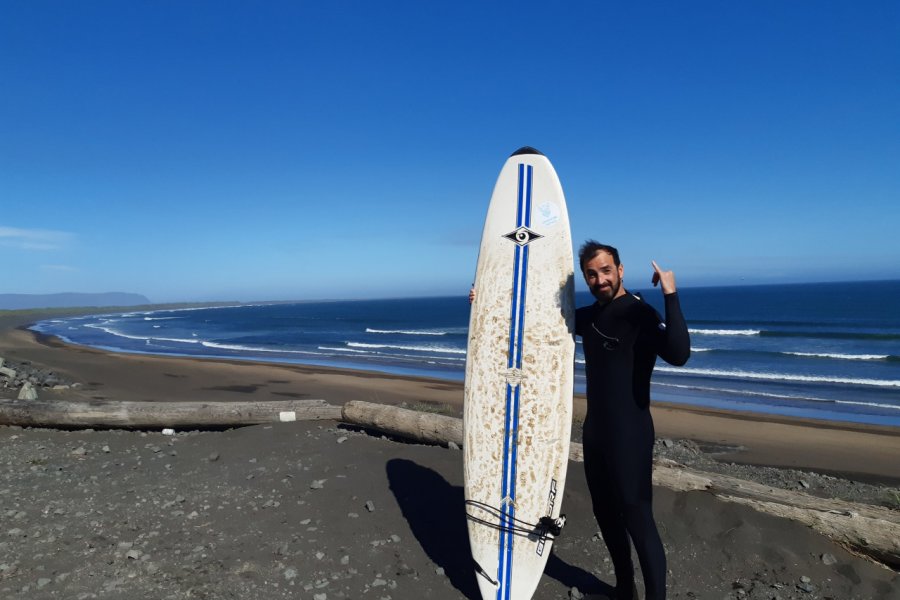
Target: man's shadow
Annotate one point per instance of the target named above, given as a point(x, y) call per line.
point(435, 511)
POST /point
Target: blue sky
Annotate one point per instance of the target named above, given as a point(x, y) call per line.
point(299, 150)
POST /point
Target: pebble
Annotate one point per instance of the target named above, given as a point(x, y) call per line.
point(317, 484)
point(828, 559)
point(370, 506)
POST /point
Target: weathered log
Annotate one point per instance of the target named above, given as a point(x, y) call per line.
point(105, 413)
point(428, 428)
point(867, 530)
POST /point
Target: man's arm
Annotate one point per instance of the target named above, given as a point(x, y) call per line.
point(674, 341)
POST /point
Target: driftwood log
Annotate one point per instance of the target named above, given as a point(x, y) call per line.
point(145, 415)
point(867, 530)
point(422, 427)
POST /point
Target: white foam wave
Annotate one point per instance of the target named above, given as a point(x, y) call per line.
point(241, 348)
point(142, 338)
point(161, 318)
point(724, 331)
point(840, 356)
point(778, 396)
point(738, 374)
point(874, 404)
point(391, 354)
point(701, 349)
point(411, 348)
point(405, 331)
point(741, 392)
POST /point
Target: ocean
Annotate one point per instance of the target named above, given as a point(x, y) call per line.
point(822, 351)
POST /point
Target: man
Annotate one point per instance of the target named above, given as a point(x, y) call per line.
point(622, 336)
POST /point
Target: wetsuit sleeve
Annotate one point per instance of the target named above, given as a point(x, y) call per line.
point(581, 320)
point(674, 342)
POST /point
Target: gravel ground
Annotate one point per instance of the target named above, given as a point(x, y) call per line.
point(316, 511)
point(705, 458)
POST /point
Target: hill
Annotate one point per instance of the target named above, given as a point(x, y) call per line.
point(65, 300)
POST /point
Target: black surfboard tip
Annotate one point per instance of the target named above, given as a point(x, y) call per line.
point(526, 150)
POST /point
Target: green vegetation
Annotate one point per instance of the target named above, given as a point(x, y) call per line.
point(436, 408)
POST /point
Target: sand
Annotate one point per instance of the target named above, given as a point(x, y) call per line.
point(281, 511)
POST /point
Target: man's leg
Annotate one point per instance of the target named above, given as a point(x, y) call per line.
point(608, 512)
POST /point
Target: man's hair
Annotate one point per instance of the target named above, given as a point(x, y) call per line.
point(590, 248)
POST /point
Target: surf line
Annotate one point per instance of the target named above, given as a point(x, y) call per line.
point(521, 236)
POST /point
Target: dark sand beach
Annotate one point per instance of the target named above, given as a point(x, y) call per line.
point(320, 510)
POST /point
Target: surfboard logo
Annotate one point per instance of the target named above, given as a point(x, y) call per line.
point(522, 236)
point(514, 376)
point(549, 213)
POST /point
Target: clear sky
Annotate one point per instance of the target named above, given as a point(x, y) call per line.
point(299, 150)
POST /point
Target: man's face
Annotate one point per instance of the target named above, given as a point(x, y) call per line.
point(603, 277)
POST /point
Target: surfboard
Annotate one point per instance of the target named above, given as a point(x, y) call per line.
point(517, 416)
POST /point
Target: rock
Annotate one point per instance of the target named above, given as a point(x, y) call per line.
point(28, 392)
point(575, 594)
point(453, 445)
point(317, 484)
point(828, 559)
point(370, 506)
point(8, 373)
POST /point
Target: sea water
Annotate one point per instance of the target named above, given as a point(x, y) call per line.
point(826, 351)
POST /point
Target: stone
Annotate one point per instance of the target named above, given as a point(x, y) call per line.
point(828, 559)
point(27, 392)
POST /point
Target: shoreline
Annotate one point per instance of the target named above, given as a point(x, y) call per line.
point(319, 508)
point(850, 450)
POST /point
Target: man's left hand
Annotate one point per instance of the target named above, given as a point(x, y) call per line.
point(665, 278)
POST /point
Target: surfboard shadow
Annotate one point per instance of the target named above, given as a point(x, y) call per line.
point(435, 511)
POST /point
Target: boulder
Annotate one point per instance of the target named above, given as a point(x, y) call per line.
point(28, 392)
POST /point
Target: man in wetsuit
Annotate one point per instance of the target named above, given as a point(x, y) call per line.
point(622, 335)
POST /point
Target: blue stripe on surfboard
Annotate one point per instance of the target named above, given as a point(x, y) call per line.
point(528, 198)
point(502, 558)
point(521, 193)
point(511, 425)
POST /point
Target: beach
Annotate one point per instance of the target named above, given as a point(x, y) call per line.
point(322, 510)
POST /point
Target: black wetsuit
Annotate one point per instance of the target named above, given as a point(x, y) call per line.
point(622, 339)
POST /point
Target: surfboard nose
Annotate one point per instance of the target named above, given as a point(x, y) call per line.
point(526, 150)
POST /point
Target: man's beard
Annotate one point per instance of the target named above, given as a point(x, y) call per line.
point(605, 294)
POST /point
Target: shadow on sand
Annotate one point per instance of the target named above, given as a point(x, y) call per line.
point(435, 511)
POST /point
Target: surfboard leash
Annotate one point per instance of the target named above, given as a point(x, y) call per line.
point(545, 527)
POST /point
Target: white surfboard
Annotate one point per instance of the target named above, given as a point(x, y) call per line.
point(519, 368)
